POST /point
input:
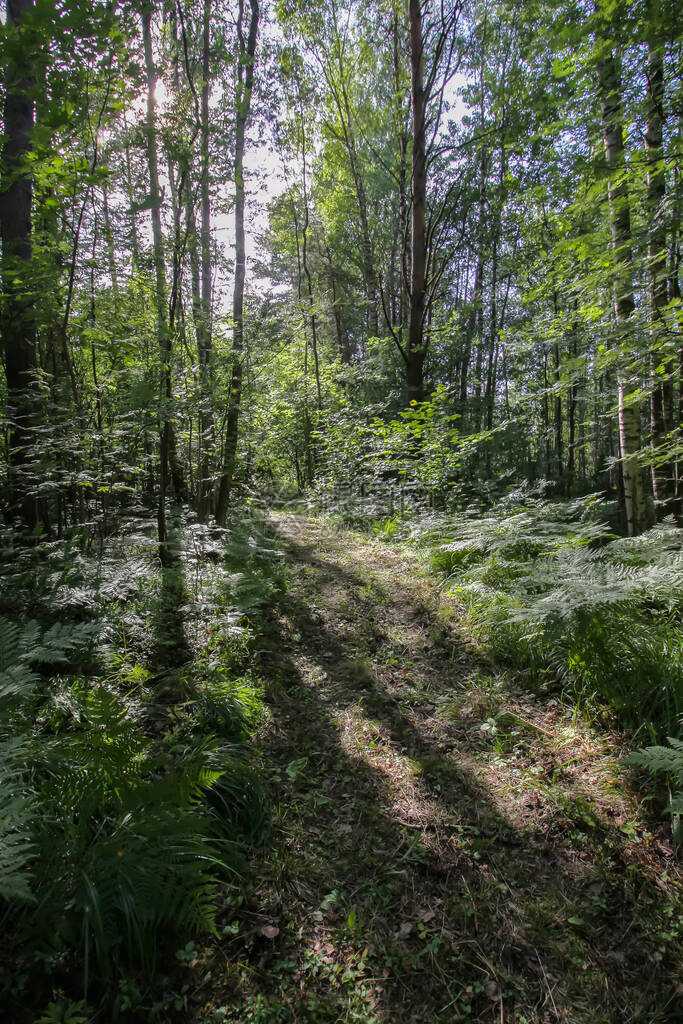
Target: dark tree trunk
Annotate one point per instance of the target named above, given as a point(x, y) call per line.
point(167, 446)
point(546, 419)
point(342, 340)
point(18, 314)
point(402, 135)
point(609, 83)
point(340, 95)
point(415, 353)
point(571, 423)
point(559, 447)
point(204, 336)
point(663, 473)
point(244, 86)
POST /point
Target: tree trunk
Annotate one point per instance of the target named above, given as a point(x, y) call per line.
point(304, 260)
point(134, 239)
point(546, 418)
point(111, 248)
point(18, 319)
point(402, 135)
point(415, 353)
point(663, 473)
point(609, 84)
point(559, 447)
point(474, 319)
point(196, 293)
point(571, 422)
point(493, 346)
point(163, 332)
point(342, 339)
point(341, 98)
point(245, 82)
point(204, 333)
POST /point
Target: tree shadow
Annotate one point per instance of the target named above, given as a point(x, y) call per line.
point(170, 644)
point(404, 886)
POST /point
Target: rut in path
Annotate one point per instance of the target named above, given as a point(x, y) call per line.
point(450, 847)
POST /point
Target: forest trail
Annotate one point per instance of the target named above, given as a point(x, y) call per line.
point(449, 847)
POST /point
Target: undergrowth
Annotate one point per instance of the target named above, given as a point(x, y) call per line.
point(129, 790)
point(550, 588)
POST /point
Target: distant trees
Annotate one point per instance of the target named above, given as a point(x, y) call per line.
point(473, 209)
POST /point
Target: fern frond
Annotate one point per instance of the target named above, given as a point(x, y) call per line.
point(16, 813)
point(659, 759)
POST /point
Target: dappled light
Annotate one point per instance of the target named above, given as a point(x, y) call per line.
point(465, 871)
point(341, 495)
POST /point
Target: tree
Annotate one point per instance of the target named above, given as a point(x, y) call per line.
point(164, 338)
point(609, 85)
point(18, 312)
point(245, 81)
point(436, 36)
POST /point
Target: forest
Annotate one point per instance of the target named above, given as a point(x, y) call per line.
point(341, 481)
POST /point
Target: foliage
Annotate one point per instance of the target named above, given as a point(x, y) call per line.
point(379, 468)
point(16, 812)
point(665, 759)
point(548, 585)
point(545, 339)
point(124, 812)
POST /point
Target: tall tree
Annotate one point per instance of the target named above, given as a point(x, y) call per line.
point(432, 31)
point(609, 85)
point(160, 292)
point(18, 311)
point(245, 82)
point(204, 337)
point(415, 352)
point(663, 471)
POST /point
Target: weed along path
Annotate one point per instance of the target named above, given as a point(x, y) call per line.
point(448, 847)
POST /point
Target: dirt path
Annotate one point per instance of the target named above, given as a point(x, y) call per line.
point(448, 848)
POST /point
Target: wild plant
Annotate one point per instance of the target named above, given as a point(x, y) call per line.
point(550, 586)
point(125, 806)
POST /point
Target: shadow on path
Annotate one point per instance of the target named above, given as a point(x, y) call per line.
point(407, 886)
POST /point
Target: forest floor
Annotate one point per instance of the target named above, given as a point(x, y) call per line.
point(449, 846)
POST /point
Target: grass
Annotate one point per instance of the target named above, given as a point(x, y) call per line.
point(426, 867)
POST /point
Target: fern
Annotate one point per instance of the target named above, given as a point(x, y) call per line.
point(125, 840)
point(670, 760)
point(154, 870)
point(24, 647)
point(661, 759)
point(59, 643)
point(122, 835)
point(17, 680)
point(16, 813)
point(549, 585)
